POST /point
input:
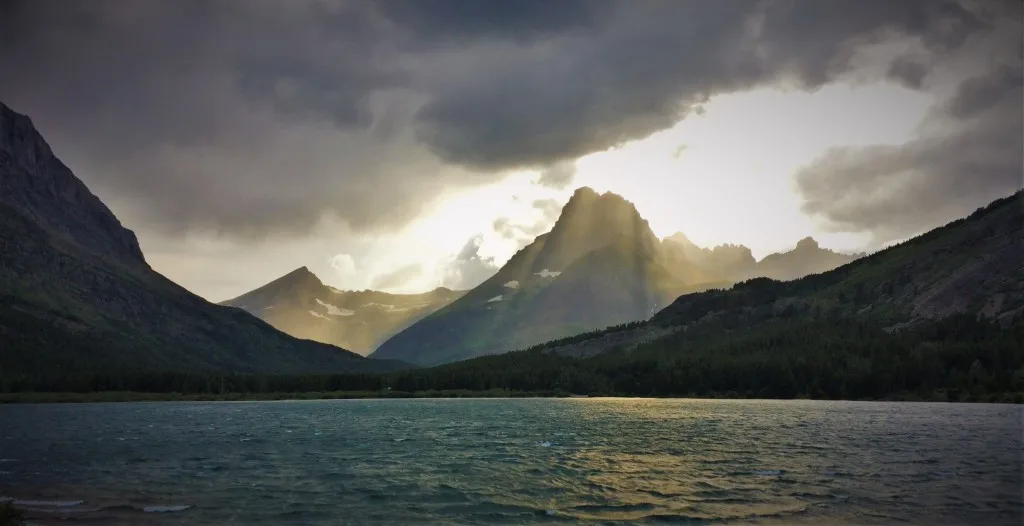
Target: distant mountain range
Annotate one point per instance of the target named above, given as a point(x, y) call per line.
point(735, 263)
point(938, 317)
point(299, 304)
point(599, 265)
point(76, 293)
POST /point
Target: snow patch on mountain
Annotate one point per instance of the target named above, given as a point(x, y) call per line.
point(334, 310)
point(514, 284)
point(387, 307)
point(499, 297)
point(548, 273)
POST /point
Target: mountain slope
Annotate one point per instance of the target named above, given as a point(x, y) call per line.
point(76, 294)
point(299, 304)
point(599, 265)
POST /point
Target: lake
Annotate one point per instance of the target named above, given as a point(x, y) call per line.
point(521, 461)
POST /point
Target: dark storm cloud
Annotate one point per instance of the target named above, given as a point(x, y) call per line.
point(397, 277)
point(456, 21)
point(644, 71)
point(909, 72)
point(968, 152)
point(247, 118)
point(259, 118)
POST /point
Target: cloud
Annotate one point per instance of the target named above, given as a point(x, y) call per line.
point(908, 72)
point(187, 117)
point(524, 233)
point(549, 209)
point(504, 227)
point(647, 66)
point(344, 264)
point(468, 269)
point(967, 153)
point(457, 22)
point(558, 176)
point(396, 278)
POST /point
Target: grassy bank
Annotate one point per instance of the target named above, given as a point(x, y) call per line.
point(132, 396)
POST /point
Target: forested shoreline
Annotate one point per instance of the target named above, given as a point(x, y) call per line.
point(959, 358)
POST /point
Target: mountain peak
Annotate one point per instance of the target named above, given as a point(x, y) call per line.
point(40, 187)
point(20, 139)
point(586, 200)
point(681, 239)
point(590, 221)
point(584, 192)
point(807, 243)
point(301, 274)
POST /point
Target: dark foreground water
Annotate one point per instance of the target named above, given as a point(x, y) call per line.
point(513, 461)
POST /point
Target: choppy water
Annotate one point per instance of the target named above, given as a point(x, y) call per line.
point(513, 461)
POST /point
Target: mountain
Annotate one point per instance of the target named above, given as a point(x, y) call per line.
point(724, 263)
point(938, 317)
point(735, 263)
point(807, 258)
point(299, 304)
point(76, 293)
point(599, 265)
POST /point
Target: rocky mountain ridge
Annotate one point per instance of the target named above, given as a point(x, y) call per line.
point(735, 263)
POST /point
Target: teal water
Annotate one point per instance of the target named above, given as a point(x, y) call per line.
point(519, 461)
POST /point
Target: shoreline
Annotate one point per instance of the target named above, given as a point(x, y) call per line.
point(133, 396)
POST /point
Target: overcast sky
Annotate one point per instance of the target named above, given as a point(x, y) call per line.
point(403, 144)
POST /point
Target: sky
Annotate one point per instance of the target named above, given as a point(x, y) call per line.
point(406, 144)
